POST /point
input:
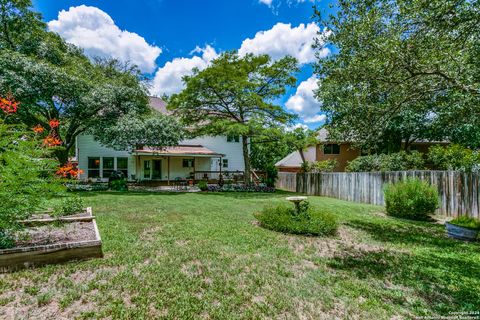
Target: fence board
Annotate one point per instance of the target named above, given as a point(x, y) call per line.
point(459, 192)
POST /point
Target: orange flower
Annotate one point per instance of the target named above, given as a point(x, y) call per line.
point(8, 105)
point(52, 141)
point(69, 170)
point(54, 123)
point(38, 129)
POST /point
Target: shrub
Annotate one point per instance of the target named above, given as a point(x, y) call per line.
point(411, 199)
point(240, 188)
point(284, 218)
point(27, 178)
point(466, 222)
point(399, 161)
point(117, 181)
point(454, 157)
point(202, 185)
point(69, 206)
point(324, 166)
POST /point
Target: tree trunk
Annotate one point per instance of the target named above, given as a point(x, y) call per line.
point(62, 155)
point(246, 159)
point(302, 155)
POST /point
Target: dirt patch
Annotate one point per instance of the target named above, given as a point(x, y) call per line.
point(50, 234)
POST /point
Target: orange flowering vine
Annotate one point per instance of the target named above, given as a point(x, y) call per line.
point(69, 170)
point(52, 141)
point(54, 123)
point(38, 129)
point(8, 105)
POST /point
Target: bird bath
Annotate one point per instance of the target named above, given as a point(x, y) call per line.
point(296, 201)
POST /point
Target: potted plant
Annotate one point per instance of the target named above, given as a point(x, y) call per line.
point(463, 228)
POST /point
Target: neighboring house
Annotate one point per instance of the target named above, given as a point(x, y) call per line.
point(197, 158)
point(342, 152)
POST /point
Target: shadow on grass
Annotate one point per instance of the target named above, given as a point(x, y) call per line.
point(444, 281)
point(406, 232)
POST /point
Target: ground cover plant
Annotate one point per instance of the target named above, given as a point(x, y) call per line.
point(184, 255)
point(466, 222)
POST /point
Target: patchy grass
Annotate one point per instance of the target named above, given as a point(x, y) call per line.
point(202, 256)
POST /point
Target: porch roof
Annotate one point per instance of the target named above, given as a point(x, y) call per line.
point(180, 150)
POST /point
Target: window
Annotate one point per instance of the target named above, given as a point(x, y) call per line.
point(93, 167)
point(225, 163)
point(108, 166)
point(188, 163)
point(122, 165)
point(331, 149)
point(146, 169)
point(233, 138)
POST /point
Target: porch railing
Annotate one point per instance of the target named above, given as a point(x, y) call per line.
point(234, 176)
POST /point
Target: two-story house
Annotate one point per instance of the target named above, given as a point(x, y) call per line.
point(197, 158)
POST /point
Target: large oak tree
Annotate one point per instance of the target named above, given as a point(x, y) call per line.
point(403, 70)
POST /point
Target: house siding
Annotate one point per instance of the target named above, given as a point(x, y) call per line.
point(347, 153)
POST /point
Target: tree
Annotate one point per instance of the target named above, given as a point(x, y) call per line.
point(57, 83)
point(156, 131)
point(235, 95)
point(400, 63)
point(300, 139)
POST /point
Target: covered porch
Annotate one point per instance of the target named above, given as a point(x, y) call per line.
point(183, 163)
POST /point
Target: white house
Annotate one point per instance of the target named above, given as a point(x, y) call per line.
point(198, 158)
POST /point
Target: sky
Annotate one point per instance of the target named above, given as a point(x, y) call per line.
point(167, 38)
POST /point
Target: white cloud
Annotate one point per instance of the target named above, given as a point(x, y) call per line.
point(168, 79)
point(95, 31)
point(296, 126)
point(282, 40)
point(267, 2)
point(303, 102)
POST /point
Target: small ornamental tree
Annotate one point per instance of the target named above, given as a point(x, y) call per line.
point(26, 174)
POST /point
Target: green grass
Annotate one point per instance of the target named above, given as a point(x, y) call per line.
point(182, 256)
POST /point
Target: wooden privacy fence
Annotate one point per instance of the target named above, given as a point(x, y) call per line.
point(459, 191)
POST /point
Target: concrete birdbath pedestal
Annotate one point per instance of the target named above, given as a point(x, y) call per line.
point(296, 201)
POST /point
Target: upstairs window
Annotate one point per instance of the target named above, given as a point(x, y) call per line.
point(93, 167)
point(108, 166)
point(233, 138)
point(224, 163)
point(188, 163)
point(331, 148)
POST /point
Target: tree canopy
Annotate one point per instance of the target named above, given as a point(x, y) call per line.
point(56, 83)
point(236, 95)
point(404, 70)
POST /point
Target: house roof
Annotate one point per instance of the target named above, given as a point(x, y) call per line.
point(295, 160)
point(159, 105)
point(180, 150)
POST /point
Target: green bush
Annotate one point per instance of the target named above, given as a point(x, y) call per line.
point(454, 157)
point(26, 178)
point(69, 206)
point(202, 185)
point(466, 222)
point(118, 185)
point(411, 199)
point(399, 161)
point(284, 218)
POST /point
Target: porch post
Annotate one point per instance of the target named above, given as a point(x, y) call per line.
point(168, 170)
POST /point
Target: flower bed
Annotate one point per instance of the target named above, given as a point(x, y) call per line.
point(51, 240)
point(239, 188)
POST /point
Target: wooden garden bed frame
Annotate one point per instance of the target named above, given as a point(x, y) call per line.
point(20, 258)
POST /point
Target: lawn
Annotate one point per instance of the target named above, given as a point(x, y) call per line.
point(203, 256)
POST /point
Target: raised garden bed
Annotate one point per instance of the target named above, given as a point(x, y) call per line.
point(48, 240)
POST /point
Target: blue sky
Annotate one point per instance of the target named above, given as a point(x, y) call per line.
point(166, 38)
